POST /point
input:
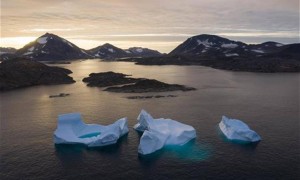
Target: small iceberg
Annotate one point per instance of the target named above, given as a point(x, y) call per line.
point(235, 129)
point(72, 130)
point(158, 133)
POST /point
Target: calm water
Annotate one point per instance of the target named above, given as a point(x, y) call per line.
point(269, 103)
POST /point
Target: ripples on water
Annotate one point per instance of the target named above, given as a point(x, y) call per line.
point(268, 103)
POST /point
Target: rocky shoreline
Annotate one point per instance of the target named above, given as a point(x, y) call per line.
point(266, 64)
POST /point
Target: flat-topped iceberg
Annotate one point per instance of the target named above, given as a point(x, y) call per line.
point(72, 130)
point(160, 132)
point(235, 129)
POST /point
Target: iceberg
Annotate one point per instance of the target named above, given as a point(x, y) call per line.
point(235, 129)
point(72, 130)
point(158, 133)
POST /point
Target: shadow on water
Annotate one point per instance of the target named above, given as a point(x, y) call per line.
point(76, 151)
point(250, 146)
point(189, 152)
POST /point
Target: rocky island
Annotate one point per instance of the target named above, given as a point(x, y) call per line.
point(105, 79)
point(149, 85)
point(18, 73)
point(112, 80)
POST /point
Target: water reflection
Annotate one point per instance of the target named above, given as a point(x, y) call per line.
point(192, 151)
point(75, 151)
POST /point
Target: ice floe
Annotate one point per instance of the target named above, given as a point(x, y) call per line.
point(235, 129)
point(72, 130)
point(160, 132)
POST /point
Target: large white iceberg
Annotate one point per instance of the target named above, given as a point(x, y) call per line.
point(160, 132)
point(235, 129)
point(71, 130)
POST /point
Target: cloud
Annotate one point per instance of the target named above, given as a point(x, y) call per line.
point(51, 29)
point(158, 19)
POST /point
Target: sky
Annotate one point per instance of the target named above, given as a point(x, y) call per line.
point(156, 24)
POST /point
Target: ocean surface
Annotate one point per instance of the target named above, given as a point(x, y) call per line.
point(268, 103)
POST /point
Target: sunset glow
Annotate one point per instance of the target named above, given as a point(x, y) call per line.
point(158, 24)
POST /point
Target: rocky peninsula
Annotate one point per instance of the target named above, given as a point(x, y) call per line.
point(18, 73)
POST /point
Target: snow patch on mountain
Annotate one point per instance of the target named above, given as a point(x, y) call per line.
point(27, 53)
point(205, 43)
point(230, 45)
point(231, 54)
point(31, 49)
point(140, 50)
point(111, 50)
point(258, 51)
point(42, 40)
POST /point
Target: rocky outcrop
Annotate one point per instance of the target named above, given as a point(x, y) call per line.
point(20, 73)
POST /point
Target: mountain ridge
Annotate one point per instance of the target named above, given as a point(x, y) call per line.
point(204, 50)
point(50, 47)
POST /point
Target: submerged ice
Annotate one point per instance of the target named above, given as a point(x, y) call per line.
point(72, 130)
point(235, 129)
point(160, 132)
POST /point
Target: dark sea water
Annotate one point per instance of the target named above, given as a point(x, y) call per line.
point(268, 103)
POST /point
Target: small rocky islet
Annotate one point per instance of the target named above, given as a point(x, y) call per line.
point(105, 79)
point(113, 80)
point(19, 73)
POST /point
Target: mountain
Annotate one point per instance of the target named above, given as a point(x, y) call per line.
point(142, 52)
point(221, 53)
point(18, 73)
point(110, 52)
point(207, 45)
point(107, 51)
point(7, 53)
point(51, 47)
point(7, 50)
point(215, 46)
point(289, 51)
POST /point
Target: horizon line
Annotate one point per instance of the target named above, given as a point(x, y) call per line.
point(79, 40)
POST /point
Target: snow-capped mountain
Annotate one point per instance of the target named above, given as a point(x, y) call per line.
point(142, 52)
point(107, 51)
point(51, 47)
point(110, 52)
point(208, 45)
point(215, 46)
